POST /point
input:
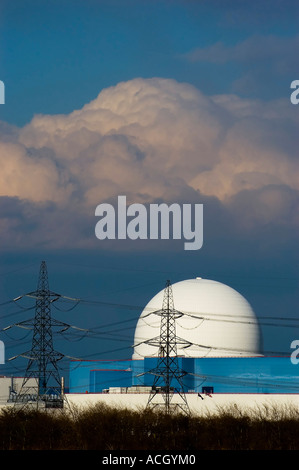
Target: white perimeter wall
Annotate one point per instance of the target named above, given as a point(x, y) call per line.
point(244, 402)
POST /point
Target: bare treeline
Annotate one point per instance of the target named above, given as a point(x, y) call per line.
point(105, 428)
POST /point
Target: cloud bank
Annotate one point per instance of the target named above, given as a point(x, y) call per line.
point(149, 139)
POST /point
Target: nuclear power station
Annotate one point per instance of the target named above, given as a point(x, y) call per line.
point(195, 339)
point(218, 350)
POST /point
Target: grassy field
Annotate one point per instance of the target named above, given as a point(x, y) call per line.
point(105, 428)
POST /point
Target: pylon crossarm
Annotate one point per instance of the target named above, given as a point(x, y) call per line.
point(25, 355)
point(66, 326)
point(162, 312)
point(35, 296)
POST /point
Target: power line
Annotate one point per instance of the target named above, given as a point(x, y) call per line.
point(197, 315)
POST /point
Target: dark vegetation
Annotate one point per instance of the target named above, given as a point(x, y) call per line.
point(105, 428)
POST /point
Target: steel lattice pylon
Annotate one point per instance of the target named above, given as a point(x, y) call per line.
point(168, 375)
point(42, 381)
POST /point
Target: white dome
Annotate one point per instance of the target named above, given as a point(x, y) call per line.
point(217, 320)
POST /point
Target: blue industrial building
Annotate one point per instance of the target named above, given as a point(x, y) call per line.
point(96, 376)
point(215, 375)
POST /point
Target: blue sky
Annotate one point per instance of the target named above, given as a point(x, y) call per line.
point(222, 69)
point(56, 56)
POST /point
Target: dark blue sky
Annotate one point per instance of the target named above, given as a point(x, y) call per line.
point(58, 56)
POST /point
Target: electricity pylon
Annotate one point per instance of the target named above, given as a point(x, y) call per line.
point(168, 375)
point(42, 382)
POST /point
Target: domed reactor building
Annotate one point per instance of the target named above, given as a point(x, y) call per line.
point(217, 341)
point(217, 322)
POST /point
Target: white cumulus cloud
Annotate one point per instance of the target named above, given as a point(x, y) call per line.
point(155, 139)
